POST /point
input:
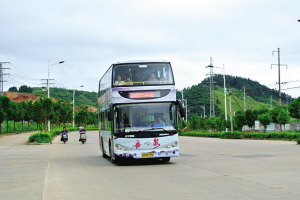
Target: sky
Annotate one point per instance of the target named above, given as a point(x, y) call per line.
point(241, 36)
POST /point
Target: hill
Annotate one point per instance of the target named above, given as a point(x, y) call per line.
point(81, 97)
point(257, 96)
point(18, 97)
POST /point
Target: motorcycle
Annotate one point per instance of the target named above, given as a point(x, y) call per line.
point(64, 138)
point(82, 137)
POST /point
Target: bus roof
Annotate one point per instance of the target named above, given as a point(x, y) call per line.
point(141, 61)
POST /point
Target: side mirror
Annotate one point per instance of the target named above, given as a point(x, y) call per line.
point(170, 112)
point(110, 112)
point(181, 108)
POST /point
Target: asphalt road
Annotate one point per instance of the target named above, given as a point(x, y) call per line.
point(206, 169)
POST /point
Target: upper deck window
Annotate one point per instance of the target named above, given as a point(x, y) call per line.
point(142, 74)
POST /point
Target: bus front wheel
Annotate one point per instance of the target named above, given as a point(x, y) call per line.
point(166, 159)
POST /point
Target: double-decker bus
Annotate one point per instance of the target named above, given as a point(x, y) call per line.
point(138, 111)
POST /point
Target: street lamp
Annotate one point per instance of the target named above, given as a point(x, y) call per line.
point(223, 70)
point(74, 104)
point(203, 110)
point(49, 66)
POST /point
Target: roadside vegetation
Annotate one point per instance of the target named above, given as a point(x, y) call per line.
point(216, 126)
point(31, 116)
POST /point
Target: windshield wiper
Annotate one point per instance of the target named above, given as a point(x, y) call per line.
point(156, 128)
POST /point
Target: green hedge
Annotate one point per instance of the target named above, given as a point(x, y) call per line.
point(238, 135)
point(229, 135)
point(273, 135)
point(200, 134)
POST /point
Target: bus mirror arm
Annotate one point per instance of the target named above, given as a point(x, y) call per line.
point(110, 112)
point(181, 108)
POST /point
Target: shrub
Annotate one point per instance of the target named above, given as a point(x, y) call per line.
point(298, 140)
point(40, 137)
point(229, 135)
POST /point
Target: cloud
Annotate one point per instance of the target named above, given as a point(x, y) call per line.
point(90, 36)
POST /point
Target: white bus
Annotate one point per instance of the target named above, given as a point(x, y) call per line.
point(138, 111)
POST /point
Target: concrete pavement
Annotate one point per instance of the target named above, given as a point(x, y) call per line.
point(207, 168)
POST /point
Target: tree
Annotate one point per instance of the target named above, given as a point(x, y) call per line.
point(28, 108)
point(240, 119)
point(294, 108)
point(221, 122)
point(250, 118)
point(2, 113)
point(13, 89)
point(66, 113)
point(211, 123)
point(193, 122)
point(25, 89)
point(48, 111)
point(57, 108)
point(283, 117)
point(265, 119)
point(81, 116)
point(24, 111)
point(6, 107)
point(201, 123)
point(12, 114)
point(19, 114)
point(37, 113)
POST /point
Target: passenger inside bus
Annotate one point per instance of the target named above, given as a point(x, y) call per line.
point(128, 81)
point(152, 78)
point(119, 80)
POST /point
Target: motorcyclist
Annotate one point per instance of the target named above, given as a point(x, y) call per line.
point(81, 130)
point(63, 132)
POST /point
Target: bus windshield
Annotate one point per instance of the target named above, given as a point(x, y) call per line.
point(142, 74)
point(144, 117)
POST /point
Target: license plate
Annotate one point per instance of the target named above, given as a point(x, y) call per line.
point(147, 154)
point(83, 136)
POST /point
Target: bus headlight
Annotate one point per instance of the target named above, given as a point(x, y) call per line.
point(172, 145)
point(122, 148)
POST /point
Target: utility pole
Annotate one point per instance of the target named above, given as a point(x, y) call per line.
point(279, 92)
point(211, 90)
point(244, 99)
point(1, 75)
point(2, 80)
point(231, 124)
